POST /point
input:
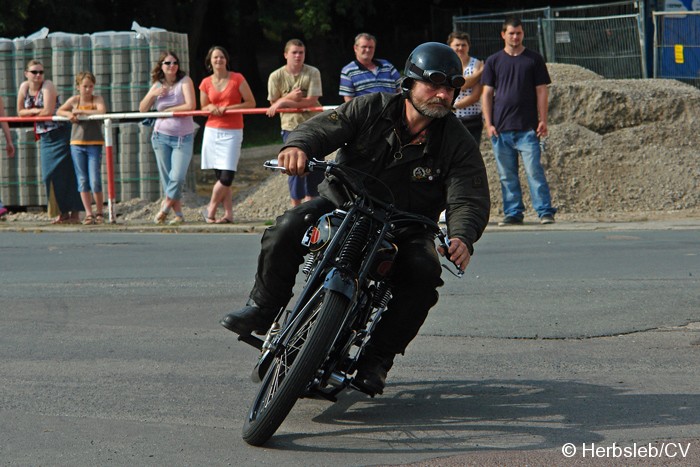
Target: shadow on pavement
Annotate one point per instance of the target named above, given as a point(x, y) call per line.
point(449, 417)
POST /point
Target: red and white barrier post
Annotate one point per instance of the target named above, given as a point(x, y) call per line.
point(109, 161)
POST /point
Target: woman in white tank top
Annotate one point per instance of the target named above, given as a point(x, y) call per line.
point(467, 105)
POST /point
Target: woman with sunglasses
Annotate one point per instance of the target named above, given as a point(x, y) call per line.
point(223, 134)
point(37, 97)
point(173, 137)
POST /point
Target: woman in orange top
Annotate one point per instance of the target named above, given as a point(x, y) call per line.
point(223, 133)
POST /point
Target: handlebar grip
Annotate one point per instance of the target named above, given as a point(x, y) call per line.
point(311, 164)
point(445, 244)
point(272, 165)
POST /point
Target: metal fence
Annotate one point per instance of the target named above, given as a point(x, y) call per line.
point(611, 46)
point(607, 39)
point(677, 46)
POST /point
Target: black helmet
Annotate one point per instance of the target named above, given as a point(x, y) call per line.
point(435, 63)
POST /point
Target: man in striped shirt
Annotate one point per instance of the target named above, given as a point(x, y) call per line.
point(365, 74)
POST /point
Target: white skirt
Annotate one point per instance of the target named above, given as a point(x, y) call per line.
point(221, 148)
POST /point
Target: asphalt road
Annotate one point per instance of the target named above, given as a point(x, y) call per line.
point(111, 354)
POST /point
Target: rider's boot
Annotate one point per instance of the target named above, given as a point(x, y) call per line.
point(372, 369)
point(251, 318)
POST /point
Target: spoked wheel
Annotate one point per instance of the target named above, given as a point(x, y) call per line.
point(294, 366)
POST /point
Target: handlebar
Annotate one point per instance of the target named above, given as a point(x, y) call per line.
point(311, 165)
point(333, 168)
point(445, 244)
point(330, 167)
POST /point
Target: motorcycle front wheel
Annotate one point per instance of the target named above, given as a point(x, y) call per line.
point(295, 366)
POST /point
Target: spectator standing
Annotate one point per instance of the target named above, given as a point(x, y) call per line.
point(173, 137)
point(9, 147)
point(296, 85)
point(366, 74)
point(86, 142)
point(468, 105)
point(223, 134)
point(514, 103)
point(37, 97)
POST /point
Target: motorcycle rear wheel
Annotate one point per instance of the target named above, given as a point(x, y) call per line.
point(294, 366)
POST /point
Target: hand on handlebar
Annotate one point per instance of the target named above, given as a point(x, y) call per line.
point(456, 251)
point(459, 253)
point(293, 160)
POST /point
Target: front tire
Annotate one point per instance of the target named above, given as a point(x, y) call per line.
point(294, 366)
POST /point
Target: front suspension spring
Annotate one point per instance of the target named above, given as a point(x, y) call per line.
point(381, 295)
point(308, 265)
point(357, 239)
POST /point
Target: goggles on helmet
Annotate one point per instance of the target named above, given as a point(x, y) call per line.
point(438, 77)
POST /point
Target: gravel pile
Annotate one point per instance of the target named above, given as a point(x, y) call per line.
point(617, 150)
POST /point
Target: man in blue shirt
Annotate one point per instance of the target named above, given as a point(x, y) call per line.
point(514, 105)
point(365, 74)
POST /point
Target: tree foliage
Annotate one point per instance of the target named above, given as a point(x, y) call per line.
point(253, 31)
point(13, 14)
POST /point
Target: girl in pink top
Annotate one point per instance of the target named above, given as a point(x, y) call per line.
point(223, 133)
point(173, 137)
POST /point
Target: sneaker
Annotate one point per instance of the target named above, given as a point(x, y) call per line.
point(249, 319)
point(547, 219)
point(510, 220)
point(372, 370)
point(177, 220)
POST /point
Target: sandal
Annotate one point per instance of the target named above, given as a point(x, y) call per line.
point(224, 220)
point(160, 217)
point(61, 219)
point(99, 218)
point(207, 219)
point(89, 220)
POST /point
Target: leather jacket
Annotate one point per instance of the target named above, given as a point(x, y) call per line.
point(443, 172)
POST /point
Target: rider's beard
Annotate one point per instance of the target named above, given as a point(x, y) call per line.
point(433, 107)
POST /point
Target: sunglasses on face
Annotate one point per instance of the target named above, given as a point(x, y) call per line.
point(36, 72)
point(438, 77)
point(170, 63)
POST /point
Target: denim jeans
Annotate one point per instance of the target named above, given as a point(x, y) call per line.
point(173, 154)
point(87, 160)
point(506, 147)
point(301, 187)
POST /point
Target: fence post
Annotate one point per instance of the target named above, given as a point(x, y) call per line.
point(111, 195)
point(641, 25)
point(655, 45)
point(549, 36)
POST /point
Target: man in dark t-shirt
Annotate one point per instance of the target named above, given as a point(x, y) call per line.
point(514, 105)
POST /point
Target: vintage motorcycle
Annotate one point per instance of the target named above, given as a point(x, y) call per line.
point(311, 350)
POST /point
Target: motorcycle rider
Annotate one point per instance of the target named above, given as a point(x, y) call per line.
point(413, 151)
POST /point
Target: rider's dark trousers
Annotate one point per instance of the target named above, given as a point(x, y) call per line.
point(415, 276)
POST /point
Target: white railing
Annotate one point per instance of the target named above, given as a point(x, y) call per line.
point(111, 117)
